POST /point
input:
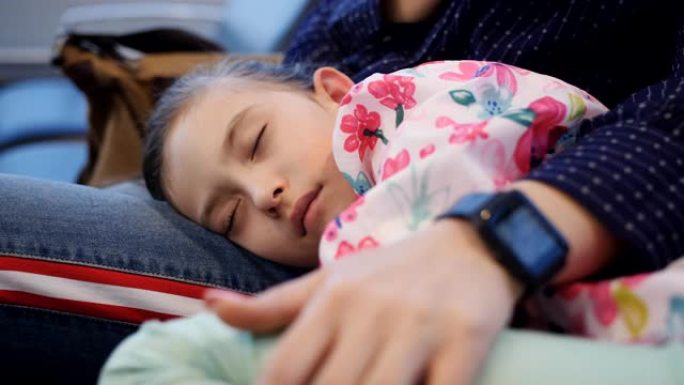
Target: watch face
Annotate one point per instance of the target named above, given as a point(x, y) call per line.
point(528, 238)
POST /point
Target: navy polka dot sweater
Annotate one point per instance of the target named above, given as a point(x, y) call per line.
point(627, 168)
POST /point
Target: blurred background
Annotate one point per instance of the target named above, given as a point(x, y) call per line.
point(43, 116)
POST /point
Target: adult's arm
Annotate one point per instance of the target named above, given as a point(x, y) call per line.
point(429, 305)
point(347, 34)
point(422, 291)
point(627, 169)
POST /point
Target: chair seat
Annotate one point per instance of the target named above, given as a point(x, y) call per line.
point(34, 117)
point(53, 160)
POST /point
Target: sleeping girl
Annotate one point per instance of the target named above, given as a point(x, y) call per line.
point(301, 167)
point(305, 167)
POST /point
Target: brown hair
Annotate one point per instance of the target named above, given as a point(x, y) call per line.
point(179, 95)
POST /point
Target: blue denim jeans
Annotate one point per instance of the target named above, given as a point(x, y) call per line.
point(119, 228)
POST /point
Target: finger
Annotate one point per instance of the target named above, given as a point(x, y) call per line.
point(456, 364)
point(352, 352)
point(302, 347)
point(273, 309)
point(401, 361)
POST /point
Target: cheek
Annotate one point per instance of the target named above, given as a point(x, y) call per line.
point(268, 241)
point(255, 230)
point(345, 194)
point(309, 155)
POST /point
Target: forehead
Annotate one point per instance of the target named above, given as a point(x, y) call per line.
point(194, 141)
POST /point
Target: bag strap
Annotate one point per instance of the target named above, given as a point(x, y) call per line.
point(149, 41)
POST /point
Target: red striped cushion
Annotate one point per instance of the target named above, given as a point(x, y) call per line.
point(95, 291)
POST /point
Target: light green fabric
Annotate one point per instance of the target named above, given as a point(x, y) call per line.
point(529, 358)
point(202, 350)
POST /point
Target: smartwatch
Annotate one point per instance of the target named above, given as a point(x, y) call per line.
point(520, 237)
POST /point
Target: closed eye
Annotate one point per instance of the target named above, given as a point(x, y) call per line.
point(257, 141)
point(231, 219)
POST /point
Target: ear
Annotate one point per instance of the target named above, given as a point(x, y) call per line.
point(331, 85)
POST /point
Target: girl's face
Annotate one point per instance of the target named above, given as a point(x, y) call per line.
point(257, 166)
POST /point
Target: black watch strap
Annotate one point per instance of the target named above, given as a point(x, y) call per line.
point(516, 232)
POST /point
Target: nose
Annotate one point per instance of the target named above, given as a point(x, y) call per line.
point(269, 198)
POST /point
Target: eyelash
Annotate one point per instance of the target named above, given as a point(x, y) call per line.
point(231, 218)
point(258, 140)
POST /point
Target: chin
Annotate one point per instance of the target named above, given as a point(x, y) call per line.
point(310, 260)
point(302, 255)
point(302, 261)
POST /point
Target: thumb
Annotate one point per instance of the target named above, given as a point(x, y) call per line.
point(269, 311)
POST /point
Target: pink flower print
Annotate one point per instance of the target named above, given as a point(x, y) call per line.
point(356, 88)
point(542, 134)
point(505, 77)
point(493, 157)
point(349, 214)
point(330, 233)
point(365, 243)
point(601, 295)
point(605, 308)
point(634, 280)
point(463, 132)
point(426, 151)
point(343, 249)
point(466, 70)
point(394, 91)
point(363, 129)
point(396, 164)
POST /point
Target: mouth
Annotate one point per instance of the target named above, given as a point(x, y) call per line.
point(301, 207)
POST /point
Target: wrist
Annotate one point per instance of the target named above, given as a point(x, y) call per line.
point(590, 245)
point(517, 234)
point(462, 240)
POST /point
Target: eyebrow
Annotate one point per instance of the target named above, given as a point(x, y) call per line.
point(232, 125)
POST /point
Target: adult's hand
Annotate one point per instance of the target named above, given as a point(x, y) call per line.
point(427, 307)
point(409, 11)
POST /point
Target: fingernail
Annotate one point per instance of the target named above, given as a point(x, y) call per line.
point(213, 295)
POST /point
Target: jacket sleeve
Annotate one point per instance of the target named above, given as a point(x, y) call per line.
point(628, 170)
point(347, 34)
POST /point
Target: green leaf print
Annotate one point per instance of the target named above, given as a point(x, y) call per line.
point(523, 116)
point(462, 97)
point(577, 107)
point(415, 203)
point(399, 115)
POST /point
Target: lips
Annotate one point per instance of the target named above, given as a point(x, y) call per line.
point(300, 208)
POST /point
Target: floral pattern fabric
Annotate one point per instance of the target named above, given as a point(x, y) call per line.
point(645, 308)
point(411, 143)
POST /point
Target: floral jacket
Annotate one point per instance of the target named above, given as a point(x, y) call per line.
point(413, 142)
